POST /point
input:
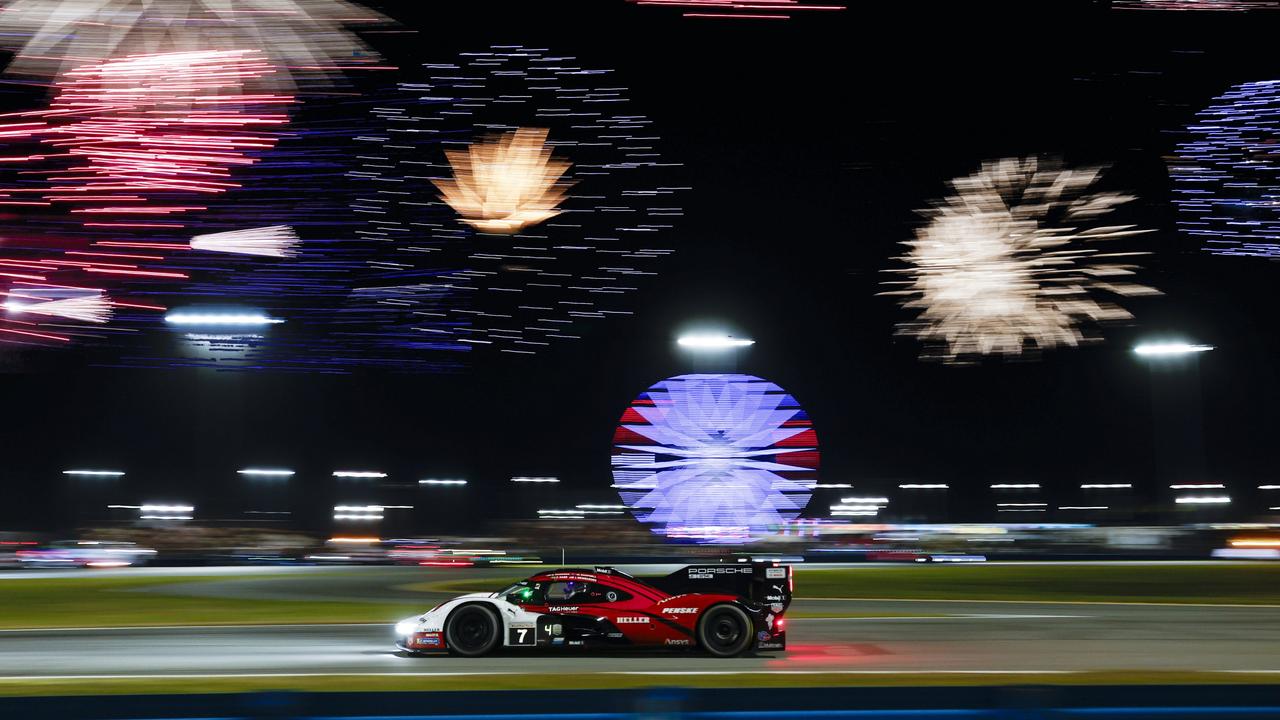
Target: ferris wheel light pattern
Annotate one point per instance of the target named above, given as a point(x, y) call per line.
point(715, 457)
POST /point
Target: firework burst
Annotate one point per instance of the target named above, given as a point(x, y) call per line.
point(507, 183)
point(1010, 262)
point(302, 37)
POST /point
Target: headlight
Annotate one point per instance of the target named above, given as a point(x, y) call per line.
point(406, 627)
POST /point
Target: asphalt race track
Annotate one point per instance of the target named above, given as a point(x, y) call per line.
point(923, 636)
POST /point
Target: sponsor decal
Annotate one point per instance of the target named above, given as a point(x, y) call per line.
point(425, 640)
point(680, 611)
point(777, 607)
point(632, 621)
point(769, 646)
point(615, 635)
point(521, 625)
point(775, 573)
point(762, 636)
point(563, 608)
point(774, 598)
point(732, 570)
point(683, 641)
point(557, 641)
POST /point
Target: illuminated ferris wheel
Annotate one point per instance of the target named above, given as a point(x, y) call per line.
point(715, 458)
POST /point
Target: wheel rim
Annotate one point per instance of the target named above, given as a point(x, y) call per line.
point(472, 631)
point(725, 630)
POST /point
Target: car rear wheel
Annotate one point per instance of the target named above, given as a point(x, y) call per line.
point(724, 631)
point(472, 630)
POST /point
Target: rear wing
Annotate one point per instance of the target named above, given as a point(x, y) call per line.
point(768, 584)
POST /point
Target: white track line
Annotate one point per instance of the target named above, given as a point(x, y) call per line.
point(250, 626)
point(966, 616)
point(467, 673)
point(1035, 602)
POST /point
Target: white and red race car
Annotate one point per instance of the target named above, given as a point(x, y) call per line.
point(723, 609)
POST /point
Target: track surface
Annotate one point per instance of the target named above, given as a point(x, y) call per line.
point(928, 636)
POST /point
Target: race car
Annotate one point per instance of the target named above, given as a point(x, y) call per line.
point(722, 609)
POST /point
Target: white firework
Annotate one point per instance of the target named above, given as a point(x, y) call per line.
point(1011, 262)
point(93, 308)
point(272, 241)
point(298, 35)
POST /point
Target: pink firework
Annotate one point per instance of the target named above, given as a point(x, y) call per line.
point(133, 144)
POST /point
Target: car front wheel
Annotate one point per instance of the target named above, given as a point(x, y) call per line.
point(724, 631)
point(472, 630)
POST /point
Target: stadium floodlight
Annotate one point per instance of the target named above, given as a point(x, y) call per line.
point(864, 500)
point(157, 511)
point(358, 474)
point(94, 473)
point(1105, 486)
point(925, 486)
point(1170, 349)
point(856, 508)
point(601, 507)
point(238, 319)
point(1036, 504)
point(442, 481)
point(1016, 486)
point(826, 486)
point(266, 472)
point(535, 480)
point(577, 512)
point(712, 342)
point(1269, 487)
point(1198, 486)
point(1204, 500)
point(1083, 507)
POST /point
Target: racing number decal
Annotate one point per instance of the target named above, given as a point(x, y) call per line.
point(521, 636)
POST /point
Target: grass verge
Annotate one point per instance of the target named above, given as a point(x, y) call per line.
point(115, 602)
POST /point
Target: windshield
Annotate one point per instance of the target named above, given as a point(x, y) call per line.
point(523, 593)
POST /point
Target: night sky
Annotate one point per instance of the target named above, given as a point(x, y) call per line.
point(809, 144)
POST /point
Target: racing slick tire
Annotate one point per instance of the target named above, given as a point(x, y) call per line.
point(472, 630)
point(725, 631)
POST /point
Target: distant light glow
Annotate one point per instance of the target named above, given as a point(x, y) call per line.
point(1083, 507)
point(1256, 542)
point(266, 472)
point(535, 480)
point(94, 473)
point(827, 486)
point(1027, 504)
point(1204, 500)
point(1015, 486)
point(864, 500)
point(220, 319)
point(712, 342)
point(1269, 487)
point(1198, 486)
point(1159, 349)
point(1105, 486)
point(601, 507)
point(924, 486)
point(441, 481)
point(358, 474)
